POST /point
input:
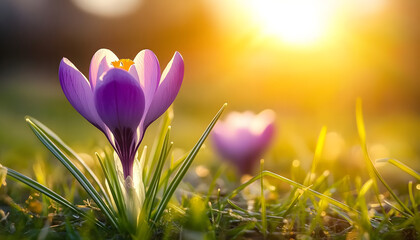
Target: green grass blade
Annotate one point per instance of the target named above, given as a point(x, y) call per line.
point(114, 186)
point(361, 202)
point(167, 174)
point(372, 170)
point(84, 182)
point(214, 181)
point(295, 184)
point(3, 175)
point(69, 152)
point(401, 166)
point(344, 215)
point(184, 167)
point(51, 194)
point(262, 200)
point(237, 207)
point(154, 183)
point(362, 136)
point(249, 213)
point(397, 209)
point(317, 155)
point(157, 146)
point(412, 198)
point(296, 198)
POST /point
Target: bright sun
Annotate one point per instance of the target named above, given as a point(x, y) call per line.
point(293, 21)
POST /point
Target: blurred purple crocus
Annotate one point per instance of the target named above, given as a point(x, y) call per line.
point(122, 97)
point(243, 137)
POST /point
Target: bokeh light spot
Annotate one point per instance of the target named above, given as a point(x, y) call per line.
point(108, 8)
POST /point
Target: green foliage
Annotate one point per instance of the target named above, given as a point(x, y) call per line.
point(373, 172)
point(184, 167)
point(401, 166)
point(317, 206)
point(118, 204)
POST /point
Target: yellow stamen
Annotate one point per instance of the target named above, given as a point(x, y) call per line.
point(123, 64)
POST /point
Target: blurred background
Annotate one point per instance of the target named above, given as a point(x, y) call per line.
point(308, 60)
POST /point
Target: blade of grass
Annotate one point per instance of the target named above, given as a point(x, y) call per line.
point(371, 168)
point(157, 146)
point(51, 194)
point(330, 189)
point(184, 167)
point(177, 208)
point(114, 186)
point(401, 166)
point(154, 184)
point(296, 198)
point(342, 214)
point(214, 181)
point(361, 202)
point(69, 152)
point(249, 213)
point(263, 207)
point(39, 171)
point(84, 182)
point(317, 182)
point(317, 155)
point(118, 185)
point(167, 174)
point(412, 198)
point(397, 209)
point(295, 184)
point(238, 208)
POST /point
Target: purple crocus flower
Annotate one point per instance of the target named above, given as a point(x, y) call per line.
point(122, 97)
point(243, 137)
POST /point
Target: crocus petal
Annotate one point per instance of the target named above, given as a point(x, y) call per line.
point(119, 100)
point(243, 137)
point(266, 136)
point(100, 63)
point(148, 72)
point(78, 91)
point(169, 86)
point(236, 145)
point(264, 127)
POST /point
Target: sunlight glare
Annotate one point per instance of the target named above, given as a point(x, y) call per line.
point(293, 21)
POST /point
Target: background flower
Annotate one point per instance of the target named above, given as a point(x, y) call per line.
point(243, 137)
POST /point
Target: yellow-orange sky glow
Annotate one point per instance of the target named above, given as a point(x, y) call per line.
point(293, 21)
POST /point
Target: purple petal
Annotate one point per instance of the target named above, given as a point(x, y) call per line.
point(78, 91)
point(243, 137)
point(242, 148)
point(235, 145)
point(119, 100)
point(169, 86)
point(266, 136)
point(148, 72)
point(100, 63)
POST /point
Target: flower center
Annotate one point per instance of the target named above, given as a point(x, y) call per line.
point(123, 64)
